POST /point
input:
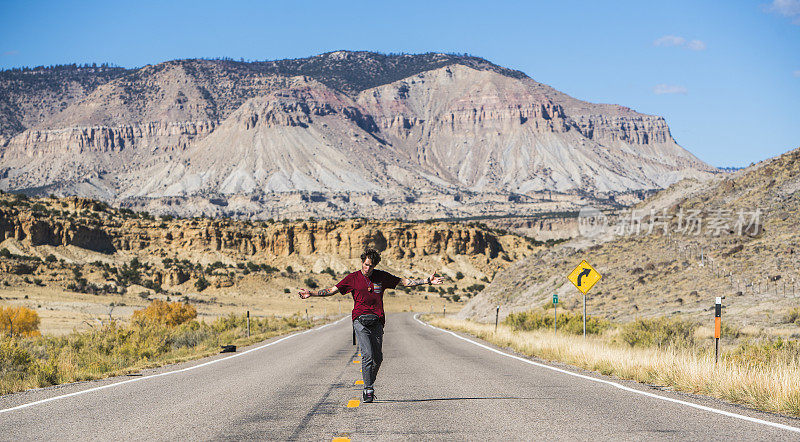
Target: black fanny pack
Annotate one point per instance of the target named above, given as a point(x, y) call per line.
point(368, 320)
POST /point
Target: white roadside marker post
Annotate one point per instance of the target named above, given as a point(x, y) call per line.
point(496, 318)
point(717, 327)
point(248, 323)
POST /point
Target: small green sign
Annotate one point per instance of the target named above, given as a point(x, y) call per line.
point(555, 299)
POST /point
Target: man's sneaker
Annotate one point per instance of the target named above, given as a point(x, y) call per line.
point(368, 395)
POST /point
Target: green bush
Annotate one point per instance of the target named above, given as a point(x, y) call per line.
point(658, 332)
point(311, 283)
point(201, 284)
point(459, 275)
point(568, 322)
point(766, 353)
point(793, 316)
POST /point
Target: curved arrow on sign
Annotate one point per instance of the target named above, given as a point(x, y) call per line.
point(585, 273)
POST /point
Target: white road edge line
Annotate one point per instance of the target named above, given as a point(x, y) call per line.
point(621, 387)
point(19, 407)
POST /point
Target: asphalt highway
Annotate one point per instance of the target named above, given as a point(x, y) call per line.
point(434, 385)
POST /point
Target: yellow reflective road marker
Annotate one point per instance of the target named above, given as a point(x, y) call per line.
point(353, 403)
point(341, 439)
point(584, 277)
point(359, 382)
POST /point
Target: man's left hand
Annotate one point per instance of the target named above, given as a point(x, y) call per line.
point(435, 280)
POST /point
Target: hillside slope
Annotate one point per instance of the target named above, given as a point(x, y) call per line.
point(737, 236)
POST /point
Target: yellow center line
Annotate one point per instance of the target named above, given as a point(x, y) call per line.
point(356, 362)
point(359, 382)
point(353, 403)
point(341, 439)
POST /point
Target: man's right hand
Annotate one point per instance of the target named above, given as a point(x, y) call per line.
point(305, 293)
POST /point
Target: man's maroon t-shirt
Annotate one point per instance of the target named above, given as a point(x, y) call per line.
point(368, 292)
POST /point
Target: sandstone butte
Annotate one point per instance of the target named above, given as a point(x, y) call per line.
point(117, 236)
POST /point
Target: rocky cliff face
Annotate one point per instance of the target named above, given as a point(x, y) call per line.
point(450, 126)
point(37, 230)
point(92, 226)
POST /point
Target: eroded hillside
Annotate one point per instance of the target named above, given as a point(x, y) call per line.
point(735, 236)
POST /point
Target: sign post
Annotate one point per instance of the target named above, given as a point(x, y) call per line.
point(717, 327)
point(248, 323)
point(584, 277)
point(496, 318)
point(555, 314)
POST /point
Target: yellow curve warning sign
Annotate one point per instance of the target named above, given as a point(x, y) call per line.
point(584, 277)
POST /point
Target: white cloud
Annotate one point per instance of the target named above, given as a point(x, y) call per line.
point(696, 45)
point(675, 40)
point(670, 40)
point(9, 53)
point(796, 73)
point(786, 8)
point(662, 89)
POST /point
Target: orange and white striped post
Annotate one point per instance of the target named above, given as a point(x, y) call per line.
point(717, 327)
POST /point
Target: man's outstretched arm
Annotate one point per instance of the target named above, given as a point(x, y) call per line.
point(305, 293)
point(433, 279)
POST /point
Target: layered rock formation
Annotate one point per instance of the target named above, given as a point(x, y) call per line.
point(380, 128)
point(94, 227)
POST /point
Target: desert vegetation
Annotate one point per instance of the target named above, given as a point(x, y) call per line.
point(755, 370)
point(159, 334)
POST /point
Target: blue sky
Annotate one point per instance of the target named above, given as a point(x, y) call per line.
point(725, 74)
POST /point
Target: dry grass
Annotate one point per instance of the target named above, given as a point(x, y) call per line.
point(118, 349)
point(771, 386)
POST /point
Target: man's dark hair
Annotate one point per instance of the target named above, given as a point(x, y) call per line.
point(373, 255)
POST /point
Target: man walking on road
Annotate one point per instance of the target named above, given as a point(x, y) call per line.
point(367, 286)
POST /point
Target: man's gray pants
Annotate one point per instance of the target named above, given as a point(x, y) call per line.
point(370, 342)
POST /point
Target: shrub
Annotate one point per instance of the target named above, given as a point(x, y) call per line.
point(19, 321)
point(50, 258)
point(793, 317)
point(289, 270)
point(567, 321)
point(459, 275)
point(287, 291)
point(201, 284)
point(311, 283)
point(17, 362)
point(767, 353)
point(167, 313)
point(658, 332)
